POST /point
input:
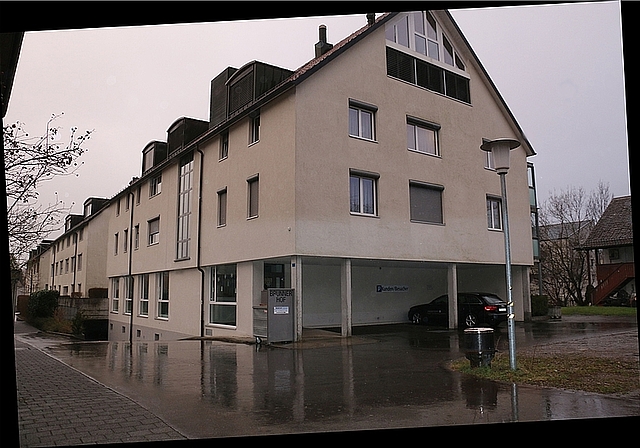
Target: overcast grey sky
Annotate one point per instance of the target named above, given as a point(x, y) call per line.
point(559, 68)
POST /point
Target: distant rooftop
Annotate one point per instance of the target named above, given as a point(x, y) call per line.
point(614, 227)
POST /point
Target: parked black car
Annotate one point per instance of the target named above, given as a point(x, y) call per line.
point(474, 308)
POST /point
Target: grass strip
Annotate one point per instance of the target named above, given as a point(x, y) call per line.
point(574, 372)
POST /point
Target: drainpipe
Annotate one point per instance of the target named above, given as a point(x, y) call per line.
point(129, 276)
point(198, 244)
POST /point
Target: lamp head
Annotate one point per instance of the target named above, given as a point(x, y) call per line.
point(500, 149)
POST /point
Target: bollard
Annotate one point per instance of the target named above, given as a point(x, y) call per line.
point(479, 346)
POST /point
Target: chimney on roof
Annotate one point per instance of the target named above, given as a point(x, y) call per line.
point(322, 46)
point(371, 17)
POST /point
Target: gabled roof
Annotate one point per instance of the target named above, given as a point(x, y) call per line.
point(614, 227)
point(563, 231)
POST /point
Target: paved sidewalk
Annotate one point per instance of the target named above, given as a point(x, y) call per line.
point(58, 405)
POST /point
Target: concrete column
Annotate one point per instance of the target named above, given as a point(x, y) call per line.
point(452, 291)
point(296, 284)
point(345, 287)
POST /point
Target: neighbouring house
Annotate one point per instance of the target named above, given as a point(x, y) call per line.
point(611, 241)
point(74, 262)
point(346, 191)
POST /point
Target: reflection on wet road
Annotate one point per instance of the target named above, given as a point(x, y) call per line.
point(393, 377)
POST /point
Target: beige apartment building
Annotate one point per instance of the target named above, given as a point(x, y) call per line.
point(355, 182)
point(74, 262)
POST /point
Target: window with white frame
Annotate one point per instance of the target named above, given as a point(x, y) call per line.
point(155, 185)
point(185, 189)
point(254, 129)
point(425, 203)
point(224, 145)
point(222, 207)
point(143, 281)
point(494, 213)
point(162, 294)
point(253, 191)
point(222, 298)
point(125, 242)
point(428, 38)
point(136, 237)
point(363, 193)
point(362, 120)
point(79, 262)
point(115, 245)
point(154, 231)
point(422, 136)
point(128, 294)
point(115, 294)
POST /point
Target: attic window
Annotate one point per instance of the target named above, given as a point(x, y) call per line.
point(420, 32)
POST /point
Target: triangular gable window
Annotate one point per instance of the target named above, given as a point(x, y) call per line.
point(420, 32)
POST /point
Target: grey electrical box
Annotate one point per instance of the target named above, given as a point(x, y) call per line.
point(280, 315)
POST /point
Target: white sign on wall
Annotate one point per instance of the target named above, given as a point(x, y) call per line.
point(392, 288)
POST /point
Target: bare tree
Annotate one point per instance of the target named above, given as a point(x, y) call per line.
point(566, 219)
point(28, 162)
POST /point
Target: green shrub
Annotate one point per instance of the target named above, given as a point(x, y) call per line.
point(43, 303)
point(77, 324)
point(539, 305)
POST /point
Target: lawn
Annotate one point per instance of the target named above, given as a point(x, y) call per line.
point(599, 311)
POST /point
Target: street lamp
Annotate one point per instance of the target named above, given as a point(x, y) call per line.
point(500, 149)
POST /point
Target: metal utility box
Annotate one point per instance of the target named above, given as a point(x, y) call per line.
point(280, 315)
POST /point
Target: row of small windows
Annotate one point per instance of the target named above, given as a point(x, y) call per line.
point(222, 294)
point(425, 200)
point(422, 136)
point(71, 264)
point(423, 74)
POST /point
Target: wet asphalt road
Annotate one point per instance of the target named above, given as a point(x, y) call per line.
point(385, 377)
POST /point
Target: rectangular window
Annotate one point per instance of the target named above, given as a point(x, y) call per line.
point(422, 136)
point(155, 185)
point(79, 262)
point(425, 203)
point(128, 298)
point(144, 294)
point(154, 231)
point(115, 294)
point(136, 236)
point(222, 299)
point(363, 193)
point(138, 193)
point(494, 213)
point(185, 183)
point(125, 241)
point(253, 188)
point(162, 294)
point(254, 131)
point(361, 120)
point(224, 145)
point(222, 207)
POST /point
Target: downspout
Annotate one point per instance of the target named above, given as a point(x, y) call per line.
point(198, 244)
point(129, 268)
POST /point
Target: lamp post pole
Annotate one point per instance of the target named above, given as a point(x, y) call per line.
point(507, 253)
point(500, 149)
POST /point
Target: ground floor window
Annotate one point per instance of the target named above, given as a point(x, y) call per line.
point(222, 299)
point(144, 294)
point(115, 294)
point(128, 299)
point(162, 293)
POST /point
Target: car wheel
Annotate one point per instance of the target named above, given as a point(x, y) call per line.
point(416, 318)
point(470, 320)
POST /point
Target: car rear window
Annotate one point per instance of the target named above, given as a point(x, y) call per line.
point(492, 299)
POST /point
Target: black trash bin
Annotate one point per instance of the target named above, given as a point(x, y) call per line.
point(479, 346)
